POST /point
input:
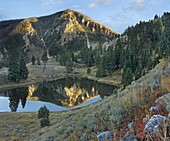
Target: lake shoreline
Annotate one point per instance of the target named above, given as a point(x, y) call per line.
point(51, 106)
point(70, 92)
point(56, 75)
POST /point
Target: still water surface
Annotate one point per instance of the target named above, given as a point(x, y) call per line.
point(56, 95)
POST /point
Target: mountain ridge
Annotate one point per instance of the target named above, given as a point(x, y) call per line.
point(65, 29)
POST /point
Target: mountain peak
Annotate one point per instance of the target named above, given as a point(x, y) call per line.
point(69, 29)
point(83, 19)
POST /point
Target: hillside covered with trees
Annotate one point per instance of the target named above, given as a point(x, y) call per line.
point(136, 51)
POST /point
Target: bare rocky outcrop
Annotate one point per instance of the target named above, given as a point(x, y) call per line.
point(129, 137)
point(155, 123)
point(164, 101)
point(108, 135)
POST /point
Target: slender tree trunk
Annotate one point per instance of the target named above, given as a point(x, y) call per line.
point(44, 66)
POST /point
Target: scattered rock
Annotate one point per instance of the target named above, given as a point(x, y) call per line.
point(108, 135)
point(154, 109)
point(131, 125)
point(168, 127)
point(23, 134)
point(155, 123)
point(129, 137)
point(84, 137)
point(164, 101)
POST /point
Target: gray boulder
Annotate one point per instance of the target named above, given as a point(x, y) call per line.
point(128, 137)
point(155, 123)
point(108, 135)
point(164, 101)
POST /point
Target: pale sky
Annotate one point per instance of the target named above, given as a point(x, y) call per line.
point(115, 14)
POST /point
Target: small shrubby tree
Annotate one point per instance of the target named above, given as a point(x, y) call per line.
point(88, 70)
point(69, 66)
point(43, 115)
point(38, 61)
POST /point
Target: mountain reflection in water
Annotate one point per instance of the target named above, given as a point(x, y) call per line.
point(67, 92)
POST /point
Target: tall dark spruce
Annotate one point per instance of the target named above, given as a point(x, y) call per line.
point(17, 69)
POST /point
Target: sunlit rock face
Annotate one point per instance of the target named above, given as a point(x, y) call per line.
point(66, 29)
point(25, 27)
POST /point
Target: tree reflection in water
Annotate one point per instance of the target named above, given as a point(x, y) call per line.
point(65, 92)
point(70, 91)
point(15, 96)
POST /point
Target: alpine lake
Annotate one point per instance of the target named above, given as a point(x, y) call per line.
point(57, 95)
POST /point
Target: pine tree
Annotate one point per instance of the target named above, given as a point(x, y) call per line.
point(117, 52)
point(88, 70)
point(101, 71)
point(90, 59)
point(44, 58)
point(127, 76)
point(17, 69)
point(43, 115)
point(156, 16)
point(13, 100)
point(38, 61)
point(14, 69)
point(33, 60)
point(23, 69)
point(69, 66)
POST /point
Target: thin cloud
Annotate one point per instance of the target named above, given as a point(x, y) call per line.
point(76, 6)
point(117, 22)
point(99, 2)
point(134, 10)
point(80, 10)
point(92, 5)
point(137, 5)
point(51, 2)
point(107, 20)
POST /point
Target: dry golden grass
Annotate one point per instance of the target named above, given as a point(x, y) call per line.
point(165, 82)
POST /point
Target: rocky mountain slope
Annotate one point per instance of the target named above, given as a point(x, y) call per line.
point(65, 29)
